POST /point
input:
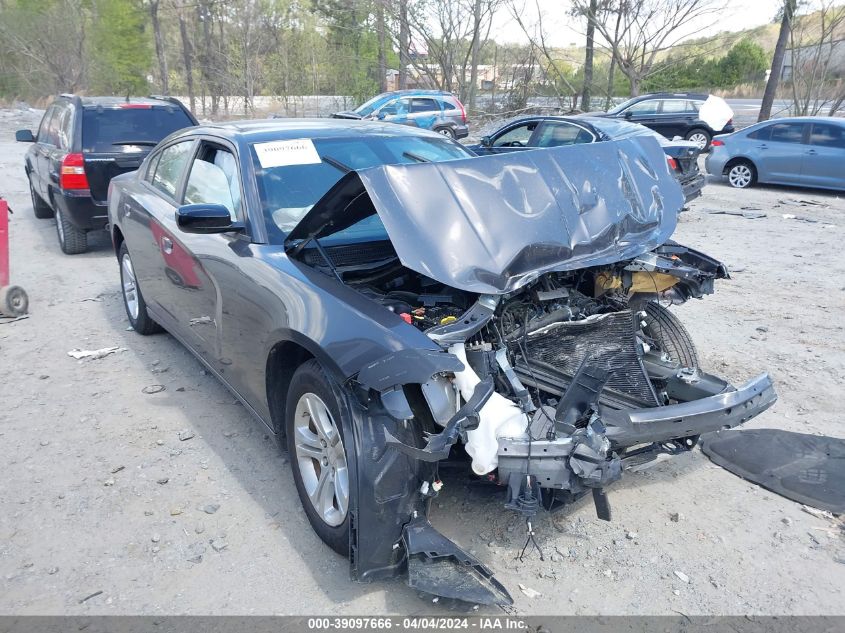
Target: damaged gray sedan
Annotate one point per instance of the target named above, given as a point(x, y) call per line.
point(385, 302)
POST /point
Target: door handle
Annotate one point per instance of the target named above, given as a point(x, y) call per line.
point(763, 146)
point(812, 152)
point(166, 245)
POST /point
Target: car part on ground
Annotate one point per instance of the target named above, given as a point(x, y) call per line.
point(523, 324)
point(809, 469)
point(435, 110)
point(795, 151)
point(14, 301)
point(83, 142)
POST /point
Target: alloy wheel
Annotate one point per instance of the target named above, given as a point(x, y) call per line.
point(130, 286)
point(321, 459)
point(699, 139)
point(740, 176)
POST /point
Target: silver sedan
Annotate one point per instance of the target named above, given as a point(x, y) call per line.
point(802, 151)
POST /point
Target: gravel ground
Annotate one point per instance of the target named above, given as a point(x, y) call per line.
point(106, 509)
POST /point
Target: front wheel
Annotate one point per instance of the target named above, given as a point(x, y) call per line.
point(669, 335)
point(319, 455)
point(742, 175)
point(133, 300)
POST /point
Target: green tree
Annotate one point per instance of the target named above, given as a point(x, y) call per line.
point(121, 48)
point(745, 61)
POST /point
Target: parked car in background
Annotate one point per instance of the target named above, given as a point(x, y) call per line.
point(375, 294)
point(677, 114)
point(802, 151)
point(554, 131)
point(434, 110)
point(80, 145)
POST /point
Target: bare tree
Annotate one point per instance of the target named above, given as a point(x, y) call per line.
point(153, 6)
point(787, 13)
point(638, 31)
point(404, 44)
point(813, 48)
point(586, 93)
point(187, 58)
point(382, 45)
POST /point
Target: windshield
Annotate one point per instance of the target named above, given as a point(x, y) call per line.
point(117, 129)
point(289, 191)
point(622, 106)
point(367, 108)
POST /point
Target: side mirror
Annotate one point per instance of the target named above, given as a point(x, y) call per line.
point(486, 141)
point(24, 136)
point(628, 114)
point(206, 218)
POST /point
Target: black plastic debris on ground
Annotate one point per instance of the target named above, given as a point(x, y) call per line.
point(809, 469)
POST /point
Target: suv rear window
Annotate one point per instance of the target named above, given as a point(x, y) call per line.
point(114, 129)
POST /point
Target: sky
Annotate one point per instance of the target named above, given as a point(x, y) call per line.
point(563, 31)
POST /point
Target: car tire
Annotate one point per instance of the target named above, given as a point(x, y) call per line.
point(72, 239)
point(133, 299)
point(699, 137)
point(741, 174)
point(41, 209)
point(319, 455)
point(446, 131)
point(669, 335)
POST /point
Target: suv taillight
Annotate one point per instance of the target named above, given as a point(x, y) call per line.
point(463, 111)
point(72, 173)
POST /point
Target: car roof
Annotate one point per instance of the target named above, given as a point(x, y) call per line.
point(412, 91)
point(117, 102)
point(252, 131)
point(806, 119)
point(677, 95)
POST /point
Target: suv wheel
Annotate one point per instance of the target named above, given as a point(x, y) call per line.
point(699, 137)
point(73, 240)
point(41, 209)
point(319, 455)
point(446, 131)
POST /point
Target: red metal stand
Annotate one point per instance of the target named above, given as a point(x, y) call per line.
point(13, 299)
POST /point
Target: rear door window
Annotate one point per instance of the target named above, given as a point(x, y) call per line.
point(761, 134)
point(109, 130)
point(64, 128)
point(424, 105)
point(828, 135)
point(674, 106)
point(44, 128)
point(555, 134)
point(787, 132)
point(170, 166)
point(214, 179)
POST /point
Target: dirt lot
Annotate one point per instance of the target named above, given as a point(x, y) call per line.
point(100, 496)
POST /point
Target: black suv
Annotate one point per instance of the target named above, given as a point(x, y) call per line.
point(84, 142)
point(670, 114)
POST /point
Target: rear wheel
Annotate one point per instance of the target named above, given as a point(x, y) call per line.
point(133, 300)
point(446, 131)
point(669, 335)
point(72, 239)
point(742, 174)
point(699, 137)
point(319, 455)
point(40, 208)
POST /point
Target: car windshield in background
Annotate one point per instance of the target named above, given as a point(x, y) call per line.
point(622, 106)
point(288, 192)
point(128, 128)
point(619, 129)
point(368, 107)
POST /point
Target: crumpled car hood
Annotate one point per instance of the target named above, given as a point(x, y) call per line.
point(495, 223)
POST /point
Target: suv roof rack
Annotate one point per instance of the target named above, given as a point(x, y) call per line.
point(69, 95)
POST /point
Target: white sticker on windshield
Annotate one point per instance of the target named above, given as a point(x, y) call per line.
point(299, 151)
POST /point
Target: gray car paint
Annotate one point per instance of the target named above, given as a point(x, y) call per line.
point(801, 164)
point(495, 223)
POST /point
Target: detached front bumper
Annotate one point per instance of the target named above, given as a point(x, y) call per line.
point(717, 405)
